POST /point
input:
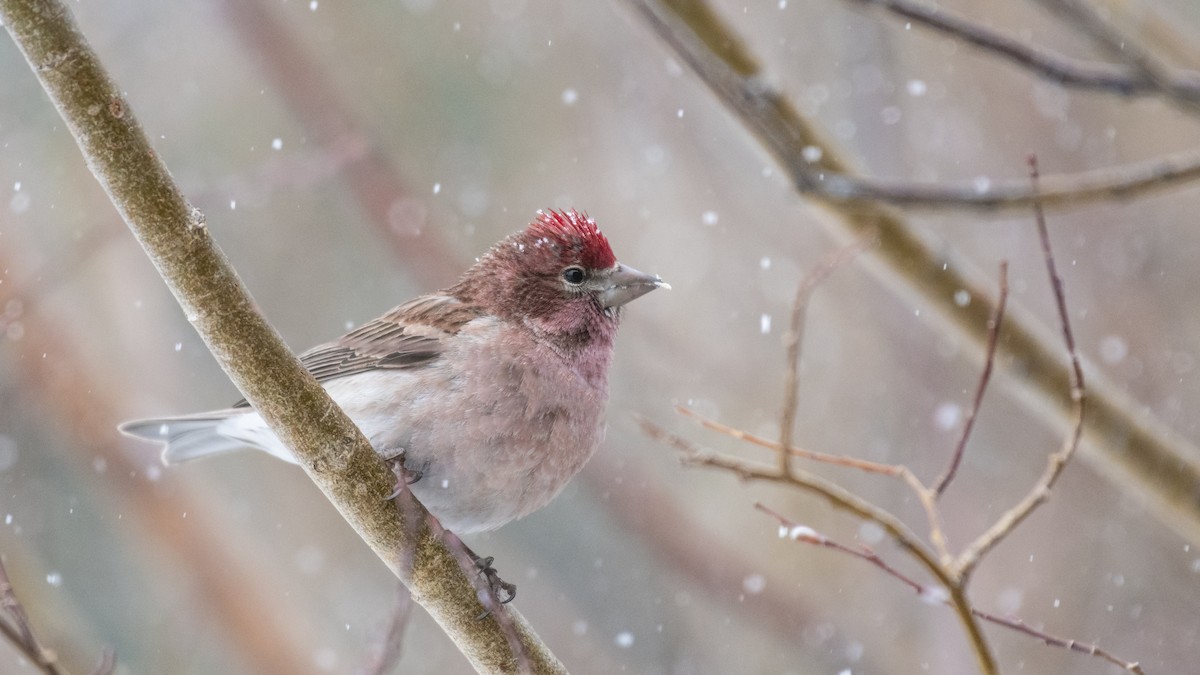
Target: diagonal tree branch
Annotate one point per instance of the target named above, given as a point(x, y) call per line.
point(1118, 79)
point(332, 451)
point(1134, 450)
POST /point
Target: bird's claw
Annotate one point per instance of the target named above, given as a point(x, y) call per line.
point(500, 589)
point(404, 476)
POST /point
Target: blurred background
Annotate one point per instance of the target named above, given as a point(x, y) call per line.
point(349, 156)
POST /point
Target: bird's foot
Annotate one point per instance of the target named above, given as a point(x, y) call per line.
point(404, 475)
point(501, 590)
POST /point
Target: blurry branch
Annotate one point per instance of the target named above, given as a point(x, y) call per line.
point(1117, 79)
point(712, 50)
point(317, 105)
point(1132, 448)
point(15, 626)
point(1083, 17)
point(330, 448)
point(792, 342)
point(789, 529)
point(72, 393)
point(953, 572)
point(386, 653)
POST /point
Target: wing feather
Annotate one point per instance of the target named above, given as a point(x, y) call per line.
point(409, 336)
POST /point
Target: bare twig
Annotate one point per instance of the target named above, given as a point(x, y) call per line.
point(1138, 450)
point(693, 551)
point(843, 500)
point(791, 530)
point(734, 76)
point(1070, 72)
point(925, 496)
point(793, 338)
point(989, 360)
point(1081, 16)
point(1054, 641)
point(1059, 460)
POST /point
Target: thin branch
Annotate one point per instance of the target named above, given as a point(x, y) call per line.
point(1138, 450)
point(989, 360)
point(1117, 79)
point(793, 339)
point(825, 458)
point(843, 500)
point(328, 445)
point(925, 496)
point(717, 566)
point(735, 78)
point(791, 530)
point(386, 653)
point(1081, 16)
point(1089, 648)
point(1059, 460)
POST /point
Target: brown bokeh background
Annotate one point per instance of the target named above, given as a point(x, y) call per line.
point(351, 155)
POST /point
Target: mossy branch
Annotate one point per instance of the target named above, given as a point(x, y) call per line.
point(330, 448)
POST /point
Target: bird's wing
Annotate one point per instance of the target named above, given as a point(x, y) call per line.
point(408, 336)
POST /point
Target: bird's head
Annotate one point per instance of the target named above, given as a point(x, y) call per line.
point(559, 276)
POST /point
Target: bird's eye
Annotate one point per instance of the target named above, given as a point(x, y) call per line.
point(573, 275)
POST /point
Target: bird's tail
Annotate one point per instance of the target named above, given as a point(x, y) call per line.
point(187, 437)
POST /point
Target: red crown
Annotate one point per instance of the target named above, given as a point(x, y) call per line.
point(575, 231)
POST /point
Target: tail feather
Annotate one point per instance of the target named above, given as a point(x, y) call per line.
point(187, 437)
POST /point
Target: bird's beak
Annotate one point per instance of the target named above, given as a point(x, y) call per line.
point(626, 283)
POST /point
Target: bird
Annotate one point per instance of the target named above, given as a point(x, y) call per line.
point(490, 393)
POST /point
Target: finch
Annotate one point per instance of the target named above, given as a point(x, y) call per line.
point(491, 391)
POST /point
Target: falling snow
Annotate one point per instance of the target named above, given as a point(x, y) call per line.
point(754, 584)
point(934, 595)
point(8, 452)
point(1113, 349)
point(624, 639)
point(947, 415)
point(870, 532)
